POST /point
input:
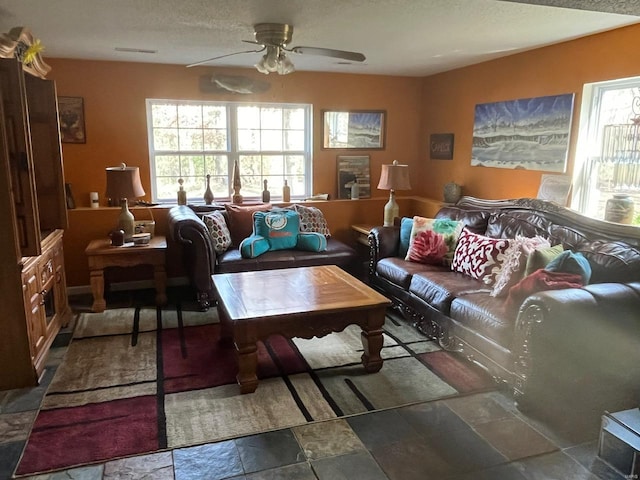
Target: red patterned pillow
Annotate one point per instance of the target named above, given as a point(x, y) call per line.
point(478, 256)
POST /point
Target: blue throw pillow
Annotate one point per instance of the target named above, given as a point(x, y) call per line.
point(279, 227)
point(570, 262)
point(253, 246)
point(406, 224)
point(312, 242)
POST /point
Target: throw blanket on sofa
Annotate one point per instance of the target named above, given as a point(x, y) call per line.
point(542, 280)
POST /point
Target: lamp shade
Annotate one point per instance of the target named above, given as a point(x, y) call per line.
point(394, 177)
point(123, 182)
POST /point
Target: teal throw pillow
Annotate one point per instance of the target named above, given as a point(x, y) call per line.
point(570, 262)
point(406, 224)
point(253, 246)
point(279, 227)
point(312, 242)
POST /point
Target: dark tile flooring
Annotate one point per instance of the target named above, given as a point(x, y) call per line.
point(474, 437)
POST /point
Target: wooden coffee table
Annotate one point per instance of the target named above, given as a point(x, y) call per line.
point(301, 302)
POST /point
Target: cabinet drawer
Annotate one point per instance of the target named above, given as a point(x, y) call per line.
point(46, 267)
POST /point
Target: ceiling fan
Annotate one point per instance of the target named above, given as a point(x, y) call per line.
point(274, 38)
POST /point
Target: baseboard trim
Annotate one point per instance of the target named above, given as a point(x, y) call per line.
point(135, 285)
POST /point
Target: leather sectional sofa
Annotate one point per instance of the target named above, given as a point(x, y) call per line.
point(200, 260)
point(559, 351)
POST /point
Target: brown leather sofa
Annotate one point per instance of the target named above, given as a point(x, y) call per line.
point(576, 348)
point(201, 261)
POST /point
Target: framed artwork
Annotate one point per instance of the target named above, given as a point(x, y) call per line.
point(529, 133)
point(355, 129)
point(71, 117)
point(353, 169)
point(441, 146)
point(554, 188)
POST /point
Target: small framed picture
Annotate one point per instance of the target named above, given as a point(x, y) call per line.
point(71, 117)
point(441, 146)
point(354, 169)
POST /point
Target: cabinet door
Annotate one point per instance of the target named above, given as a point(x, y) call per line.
point(34, 312)
point(47, 153)
point(23, 186)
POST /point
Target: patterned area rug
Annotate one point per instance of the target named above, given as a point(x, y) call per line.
point(135, 381)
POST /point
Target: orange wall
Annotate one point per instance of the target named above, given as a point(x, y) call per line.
point(449, 100)
point(114, 95)
point(116, 126)
point(116, 130)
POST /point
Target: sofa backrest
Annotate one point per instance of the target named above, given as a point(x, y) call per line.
point(613, 250)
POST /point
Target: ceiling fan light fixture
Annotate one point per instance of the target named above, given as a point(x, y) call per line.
point(285, 66)
point(275, 60)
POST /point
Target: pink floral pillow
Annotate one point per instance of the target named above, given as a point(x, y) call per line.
point(433, 240)
point(479, 256)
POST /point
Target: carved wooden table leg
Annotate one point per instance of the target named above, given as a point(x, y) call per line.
point(97, 289)
point(247, 366)
point(372, 340)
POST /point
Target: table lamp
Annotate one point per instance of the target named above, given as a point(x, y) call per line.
point(123, 183)
point(393, 177)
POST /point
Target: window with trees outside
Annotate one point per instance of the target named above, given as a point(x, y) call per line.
point(608, 150)
point(189, 140)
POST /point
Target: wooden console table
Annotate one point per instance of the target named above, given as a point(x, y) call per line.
point(101, 254)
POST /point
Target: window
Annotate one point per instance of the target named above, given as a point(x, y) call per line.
point(190, 140)
point(608, 152)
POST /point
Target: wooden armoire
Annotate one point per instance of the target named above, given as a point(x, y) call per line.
point(33, 215)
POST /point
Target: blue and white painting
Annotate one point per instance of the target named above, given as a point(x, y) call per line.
point(529, 133)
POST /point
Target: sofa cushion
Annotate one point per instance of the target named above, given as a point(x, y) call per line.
point(312, 242)
point(253, 246)
point(279, 227)
point(433, 240)
point(399, 271)
point(479, 256)
point(611, 261)
point(515, 262)
point(241, 220)
point(312, 220)
point(218, 231)
point(489, 316)
point(540, 257)
point(440, 286)
point(406, 225)
point(570, 262)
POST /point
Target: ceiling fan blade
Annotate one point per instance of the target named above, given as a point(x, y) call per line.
point(202, 62)
point(329, 52)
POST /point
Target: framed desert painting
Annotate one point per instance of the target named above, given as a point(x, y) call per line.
point(71, 117)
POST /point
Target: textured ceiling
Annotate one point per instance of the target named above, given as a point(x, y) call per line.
point(398, 37)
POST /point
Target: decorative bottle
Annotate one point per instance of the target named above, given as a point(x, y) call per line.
point(208, 194)
point(355, 190)
point(126, 220)
point(266, 195)
point(182, 195)
point(286, 192)
point(237, 184)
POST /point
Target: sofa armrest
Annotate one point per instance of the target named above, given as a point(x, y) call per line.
point(383, 243)
point(198, 256)
point(578, 348)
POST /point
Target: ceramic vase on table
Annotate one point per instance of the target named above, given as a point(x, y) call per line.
point(452, 192)
point(208, 194)
point(619, 209)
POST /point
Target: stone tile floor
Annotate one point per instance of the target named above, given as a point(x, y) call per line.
point(479, 437)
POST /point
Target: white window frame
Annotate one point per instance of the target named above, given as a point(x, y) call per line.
point(589, 145)
point(232, 151)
